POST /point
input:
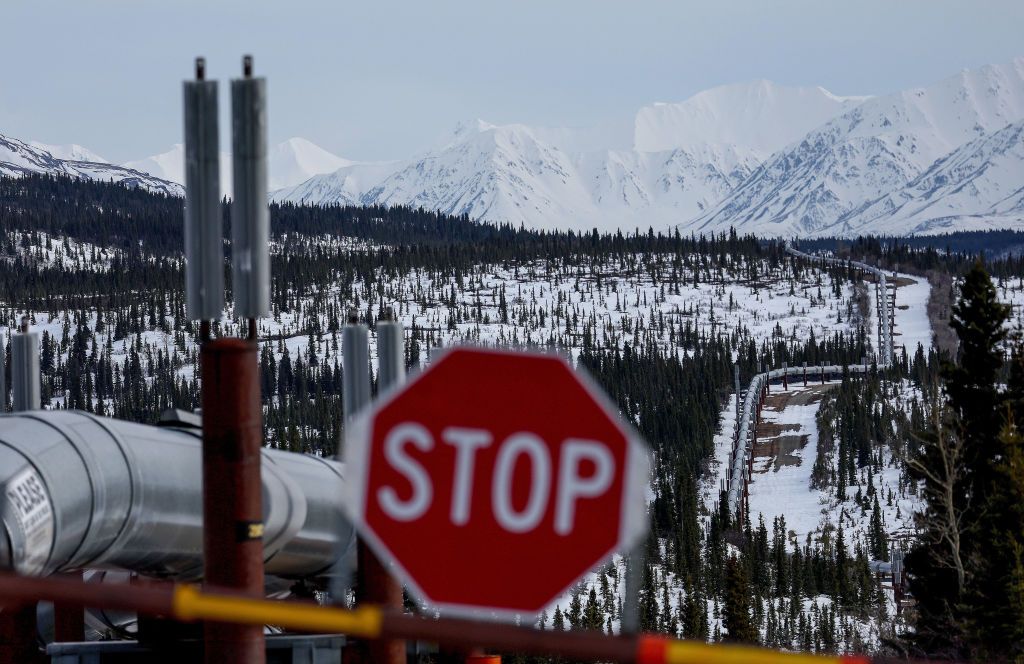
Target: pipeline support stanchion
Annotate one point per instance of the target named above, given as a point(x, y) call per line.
point(376, 584)
point(232, 489)
point(18, 628)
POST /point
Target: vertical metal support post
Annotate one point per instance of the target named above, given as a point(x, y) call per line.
point(232, 413)
point(232, 490)
point(375, 584)
point(68, 621)
point(635, 564)
point(785, 377)
point(25, 369)
point(736, 380)
point(3, 379)
point(805, 374)
point(18, 628)
point(18, 635)
point(355, 359)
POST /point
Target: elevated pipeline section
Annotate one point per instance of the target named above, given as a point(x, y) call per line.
point(82, 491)
point(741, 459)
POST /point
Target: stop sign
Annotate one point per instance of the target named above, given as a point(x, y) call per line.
point(494, 480)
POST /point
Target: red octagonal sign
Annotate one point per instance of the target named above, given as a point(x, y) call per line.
point(494, 480)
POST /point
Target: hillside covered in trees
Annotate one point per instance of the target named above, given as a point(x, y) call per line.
point(658, 319)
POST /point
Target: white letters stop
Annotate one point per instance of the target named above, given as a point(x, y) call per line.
point(523, 447)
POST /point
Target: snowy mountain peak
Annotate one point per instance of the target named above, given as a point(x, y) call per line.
point(290, 162)
point(19, 158)
point(70, 152)
point(759, 116)
point(297, 159)
point(978, 186)
point(869, 151)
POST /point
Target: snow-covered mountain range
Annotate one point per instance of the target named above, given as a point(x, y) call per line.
point(978, 186)
point(18, 158)
point(760, 157)
point(679, 160)
point(763, 158)
point(817, 185)
point(289, 163)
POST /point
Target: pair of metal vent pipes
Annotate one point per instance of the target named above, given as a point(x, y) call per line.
point(231, 408)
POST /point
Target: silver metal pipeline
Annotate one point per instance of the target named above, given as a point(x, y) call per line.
point(747, 415)
point(82, 491)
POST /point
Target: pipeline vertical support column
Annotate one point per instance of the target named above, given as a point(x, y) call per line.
point(805, 374)
point(232, 489)
point(232, 413)
point(25, 390)
point(18, 628)
point(68, 621)
point(18, 640)
point(736, 380)
point(373, 581)
point(3, 379)
point(785, 377)
point(376, 583)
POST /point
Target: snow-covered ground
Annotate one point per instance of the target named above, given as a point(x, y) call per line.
point(784, 456)
point(781, 481)
point(912, 324)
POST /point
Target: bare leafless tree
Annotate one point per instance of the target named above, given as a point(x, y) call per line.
point(943, 469)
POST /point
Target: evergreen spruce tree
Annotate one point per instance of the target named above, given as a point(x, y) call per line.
point(593, 617)
point(558, 620)
point(959, 465)
point(736, 615)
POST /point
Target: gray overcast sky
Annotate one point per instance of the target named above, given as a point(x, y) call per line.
point(377, 79)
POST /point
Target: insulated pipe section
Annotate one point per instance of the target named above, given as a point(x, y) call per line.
point(748, 418)
point(204, 251)
point(86, 491)
point(250, 214)
point(748, 414)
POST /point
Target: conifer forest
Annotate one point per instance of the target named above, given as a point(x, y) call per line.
point(916, 466)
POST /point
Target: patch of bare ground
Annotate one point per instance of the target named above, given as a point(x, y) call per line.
point(773, 440)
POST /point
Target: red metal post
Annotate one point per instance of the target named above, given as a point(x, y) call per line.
point(19, 642)
point(375, 585)
point(232, 490)
point(68, 621)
